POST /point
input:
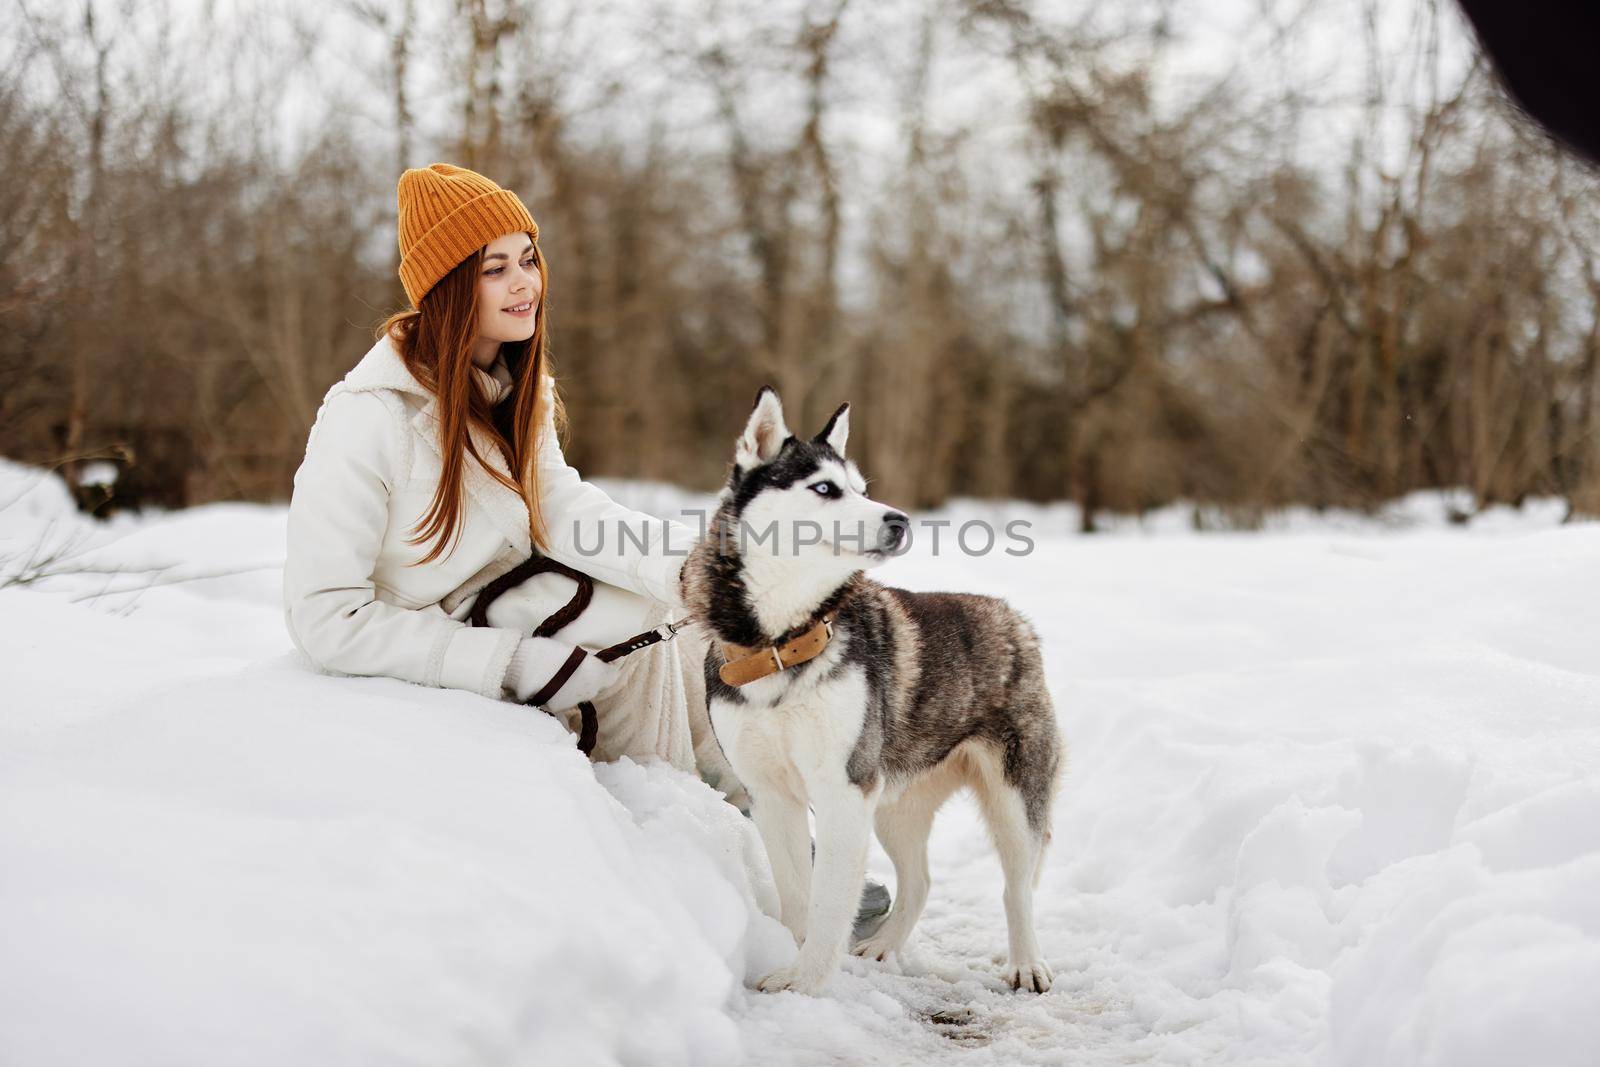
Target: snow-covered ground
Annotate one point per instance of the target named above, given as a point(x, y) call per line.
point(1332, 798)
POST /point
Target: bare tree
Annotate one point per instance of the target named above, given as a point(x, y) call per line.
point(1098, 288)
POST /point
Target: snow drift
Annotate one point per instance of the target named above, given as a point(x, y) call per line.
point(1332, 798)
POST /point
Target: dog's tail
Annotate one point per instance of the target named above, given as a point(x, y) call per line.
point(1057, 773)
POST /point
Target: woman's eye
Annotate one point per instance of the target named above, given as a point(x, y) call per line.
point(494, 270)
point(825, 489)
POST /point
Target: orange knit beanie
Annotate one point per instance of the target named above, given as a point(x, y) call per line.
point(446, 214)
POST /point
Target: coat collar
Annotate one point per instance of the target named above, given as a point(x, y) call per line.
point(382, 368)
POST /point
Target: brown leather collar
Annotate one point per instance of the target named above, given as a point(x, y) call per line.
point(745, 665)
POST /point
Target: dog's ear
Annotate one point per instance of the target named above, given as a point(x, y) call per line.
point(837, 431)
point(764, 434)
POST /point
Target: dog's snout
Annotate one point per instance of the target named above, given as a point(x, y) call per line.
point(893, 531)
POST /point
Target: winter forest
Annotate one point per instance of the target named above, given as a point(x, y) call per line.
point(1246, 255)
point(1273, 326)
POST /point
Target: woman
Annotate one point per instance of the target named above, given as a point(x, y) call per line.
point(406, 504)
point(455, 395)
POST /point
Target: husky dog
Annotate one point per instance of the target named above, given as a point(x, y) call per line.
point(911, 697)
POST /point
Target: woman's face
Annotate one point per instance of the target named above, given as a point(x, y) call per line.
point(508, 294)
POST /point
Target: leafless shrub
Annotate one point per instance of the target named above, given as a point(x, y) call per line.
point(1143, 300)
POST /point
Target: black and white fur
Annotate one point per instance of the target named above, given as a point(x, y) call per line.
point(917, 695)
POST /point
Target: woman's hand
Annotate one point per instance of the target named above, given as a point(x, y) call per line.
point(539, 661)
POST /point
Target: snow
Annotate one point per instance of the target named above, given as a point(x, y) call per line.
point(1331, 799)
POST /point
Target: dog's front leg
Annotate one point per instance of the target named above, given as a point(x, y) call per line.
point(781, 819)
point(844, 827)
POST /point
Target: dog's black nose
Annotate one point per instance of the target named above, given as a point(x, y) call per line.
point(893, 531)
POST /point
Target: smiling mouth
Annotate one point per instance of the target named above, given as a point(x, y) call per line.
point(518, 309)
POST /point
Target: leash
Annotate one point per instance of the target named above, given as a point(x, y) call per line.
point(589, 731)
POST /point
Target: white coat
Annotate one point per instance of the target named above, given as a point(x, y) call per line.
point(353, 606)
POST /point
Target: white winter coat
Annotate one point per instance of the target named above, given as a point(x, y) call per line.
point(371, 466)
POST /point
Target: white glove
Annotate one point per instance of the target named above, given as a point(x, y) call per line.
point(535, 663)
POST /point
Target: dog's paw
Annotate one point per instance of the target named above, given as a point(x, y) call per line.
point(790, 978)
point(878, 946)
point(1034, 976)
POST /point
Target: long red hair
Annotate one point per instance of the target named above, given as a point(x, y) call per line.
point(435, 340)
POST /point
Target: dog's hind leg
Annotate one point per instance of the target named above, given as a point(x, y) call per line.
point(903, 828)
point(1021, 848)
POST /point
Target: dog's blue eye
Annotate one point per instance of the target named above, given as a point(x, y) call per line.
point(825, 489)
